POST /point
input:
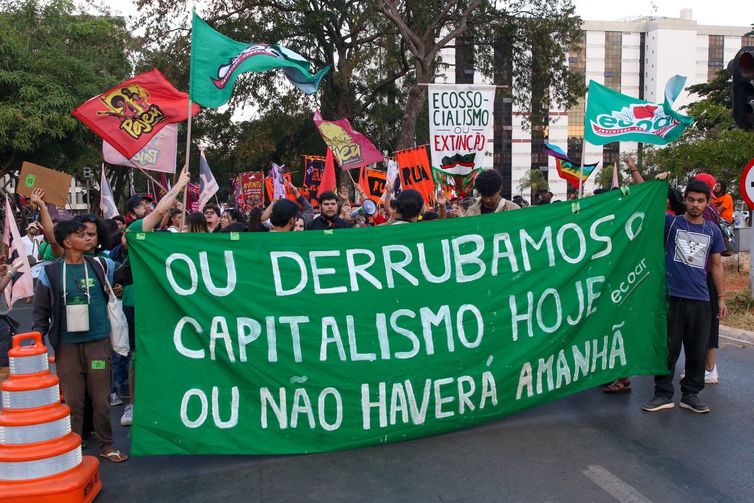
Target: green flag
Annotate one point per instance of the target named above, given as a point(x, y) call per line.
point(217, 61)
point(612, 116)
point(262, 343)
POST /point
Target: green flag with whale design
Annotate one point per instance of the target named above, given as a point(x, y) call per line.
point(612, 116)
point(217, 61)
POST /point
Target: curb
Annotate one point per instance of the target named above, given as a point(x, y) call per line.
point(737, 334)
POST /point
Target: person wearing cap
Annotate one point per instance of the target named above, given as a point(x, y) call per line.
point(138, 206)
point(31, 242)
point(712, 216)
point(143, 217)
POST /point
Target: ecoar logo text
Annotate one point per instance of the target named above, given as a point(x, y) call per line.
point(649, 119)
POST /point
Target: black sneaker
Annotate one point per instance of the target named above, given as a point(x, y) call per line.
point(658, 403)
point(692, 403)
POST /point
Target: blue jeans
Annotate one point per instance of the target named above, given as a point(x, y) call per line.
point(120, 374)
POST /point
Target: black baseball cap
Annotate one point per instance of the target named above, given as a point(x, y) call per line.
point(135, 199)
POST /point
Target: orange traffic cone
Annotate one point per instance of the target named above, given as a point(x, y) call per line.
point(40, 458)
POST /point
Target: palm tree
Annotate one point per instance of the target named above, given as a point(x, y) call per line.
point(535, 181)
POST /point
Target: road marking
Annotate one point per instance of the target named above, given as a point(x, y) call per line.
point(614, 486)
point(734, 339)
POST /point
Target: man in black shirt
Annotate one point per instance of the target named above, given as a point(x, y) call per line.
point(328, 218)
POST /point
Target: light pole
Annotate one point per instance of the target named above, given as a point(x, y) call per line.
point(88, 177)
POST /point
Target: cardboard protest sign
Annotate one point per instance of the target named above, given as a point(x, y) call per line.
point(360, 337)
point(55, 184)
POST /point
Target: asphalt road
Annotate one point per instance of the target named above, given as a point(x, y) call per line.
point(588, 447)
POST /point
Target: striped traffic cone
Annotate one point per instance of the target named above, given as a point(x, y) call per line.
point(40, 458)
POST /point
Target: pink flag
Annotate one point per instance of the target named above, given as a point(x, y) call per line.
point(22, 285)
point(616, 179)
point(158, 155)
point(351, 148)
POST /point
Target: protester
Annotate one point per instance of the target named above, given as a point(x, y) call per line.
point(283, 218)
point(138, 206)
point(197, 222)
point(255, 221)
point(690, 242)
point(409, 205)
point(175, 219)
point(70, 309)
point(722, 201)
point(328, 218)
point(231, 216)
point(212, 215)
point(711, 215)
point(8, 326)
point(488, 184)
point(148, 216)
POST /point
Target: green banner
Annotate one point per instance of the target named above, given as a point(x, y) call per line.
point(612, 116)
point(217, 61)
point(261, 343)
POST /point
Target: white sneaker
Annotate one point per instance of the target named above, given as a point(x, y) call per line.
point(710, 376)
point(115, 400)
point(128, 414)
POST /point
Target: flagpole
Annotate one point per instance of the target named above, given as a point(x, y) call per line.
point(583, 150)
point(186, 164)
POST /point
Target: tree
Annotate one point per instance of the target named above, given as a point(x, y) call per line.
point(53, 58)
point(535, 181)
point(539, 33)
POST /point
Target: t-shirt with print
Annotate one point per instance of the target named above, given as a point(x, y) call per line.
point(688, 247)
point(99, 323)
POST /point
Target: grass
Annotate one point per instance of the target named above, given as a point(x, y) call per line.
point(741, 307)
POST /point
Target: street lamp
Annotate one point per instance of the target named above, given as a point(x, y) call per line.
point(88, 178)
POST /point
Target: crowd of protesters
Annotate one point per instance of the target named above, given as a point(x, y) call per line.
point(83, 260)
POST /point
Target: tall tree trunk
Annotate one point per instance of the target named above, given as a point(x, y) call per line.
point(415, 104)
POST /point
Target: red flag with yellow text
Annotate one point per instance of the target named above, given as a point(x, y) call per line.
point(130, 114)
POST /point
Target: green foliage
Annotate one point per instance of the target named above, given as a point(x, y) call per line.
point(53, 58)
point(534, 180)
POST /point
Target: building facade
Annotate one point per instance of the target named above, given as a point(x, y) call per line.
point(635, 57)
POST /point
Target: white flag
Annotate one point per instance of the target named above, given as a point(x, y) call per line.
point(22, 285)
point(106, 200)
point(278, 182)
point(207, 183)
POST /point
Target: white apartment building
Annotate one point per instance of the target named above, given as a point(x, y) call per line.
point(635, 57)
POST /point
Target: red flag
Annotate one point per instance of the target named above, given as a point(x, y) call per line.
point(328, 178)
point(130, 114)
point(351, 148)
point(269, 186)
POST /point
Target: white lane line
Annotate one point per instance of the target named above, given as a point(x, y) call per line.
point(614, 486)
point(734, 339)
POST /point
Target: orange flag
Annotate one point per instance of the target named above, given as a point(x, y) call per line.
point(270, 188)
point(416, 172)
point(328, 178)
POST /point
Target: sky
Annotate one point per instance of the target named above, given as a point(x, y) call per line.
point(710, 12)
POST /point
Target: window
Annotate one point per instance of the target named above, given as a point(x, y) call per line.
point(613, 55)
point(502, 159)
point(747, 41)
point(577, 64)
point(714, 56)
point(610, 154)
